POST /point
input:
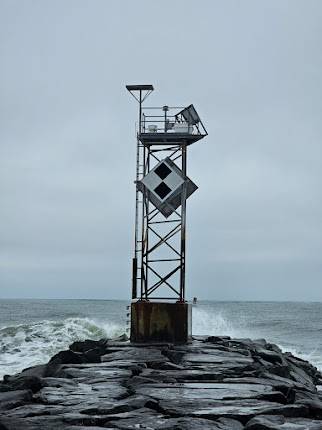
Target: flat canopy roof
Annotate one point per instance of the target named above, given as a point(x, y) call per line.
point(139, 87)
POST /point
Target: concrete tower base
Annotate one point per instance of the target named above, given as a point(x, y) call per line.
point(160, 322)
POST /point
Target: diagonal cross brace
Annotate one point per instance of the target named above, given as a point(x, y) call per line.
point(164, 239)
point(163, 280)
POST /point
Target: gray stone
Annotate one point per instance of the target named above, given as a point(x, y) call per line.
point(198, 391)
point(314, 405)
point(137, 355)
point(12, 399)
point(58, 382)
point(269, 356)
point(34, 371)
point(241, 410)
point(218, 357)
point(118, 407)
point(223, 384)
point(34, 410)
point(67, 357)
point(198, 424)
point(188, 374)
point(89, 373)
point(287, 382)
point(268, 422)
point(87, 345)
point(300, 376)
point(21, 382)
point(279, 422)
point(166, 366)
point(80, 419)
point(90, 428)
point(147, 419)
point(213, 339)
point(144, 418)
point(35, 423)
point(81, 394)
point(302, 424)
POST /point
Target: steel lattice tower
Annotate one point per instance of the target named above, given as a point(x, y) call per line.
point(162, 188)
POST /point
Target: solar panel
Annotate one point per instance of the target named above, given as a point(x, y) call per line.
point(139, 87)
point(190, 115)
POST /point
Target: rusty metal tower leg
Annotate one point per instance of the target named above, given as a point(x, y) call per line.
point(144, 228)
point(183, 225)
point(145, 254)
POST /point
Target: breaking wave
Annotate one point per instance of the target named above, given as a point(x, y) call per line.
point(213, 324)
point(27, 345)
point(205, 322)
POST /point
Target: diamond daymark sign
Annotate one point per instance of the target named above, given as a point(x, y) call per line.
point(164, 185)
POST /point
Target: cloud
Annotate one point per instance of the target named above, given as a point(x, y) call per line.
point(67, 143)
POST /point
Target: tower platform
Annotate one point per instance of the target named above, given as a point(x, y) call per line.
point(160, 138)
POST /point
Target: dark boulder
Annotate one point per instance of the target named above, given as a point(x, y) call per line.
point(217, 339)
point(63, 357)
point(88, 345)
point(68, 357)
point(38, 371)
point(21, 382)
point(94, 355)
point(269, 356)
point(278, 422)
point(13, 399)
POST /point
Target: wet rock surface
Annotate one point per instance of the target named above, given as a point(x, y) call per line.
point(213, 383)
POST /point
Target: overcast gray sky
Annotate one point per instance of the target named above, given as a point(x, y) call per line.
point(67, 146)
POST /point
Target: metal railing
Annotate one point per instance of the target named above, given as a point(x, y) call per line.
point(169, 120)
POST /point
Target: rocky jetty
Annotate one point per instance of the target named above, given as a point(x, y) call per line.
point(212, 383)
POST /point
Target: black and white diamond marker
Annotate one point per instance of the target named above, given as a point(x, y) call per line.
point(165, 184)
point(163, 180)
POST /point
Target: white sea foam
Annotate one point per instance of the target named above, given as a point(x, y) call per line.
point(205, 322)
point(27, 345)
point(314, 356)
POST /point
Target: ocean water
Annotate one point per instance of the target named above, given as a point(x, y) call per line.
point(32, 331)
